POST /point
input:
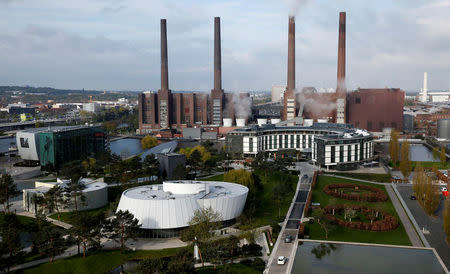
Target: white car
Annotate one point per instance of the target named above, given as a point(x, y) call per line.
point(282, 260)
point(443, 188)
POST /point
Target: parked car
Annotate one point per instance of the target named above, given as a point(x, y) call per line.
point(305, 175)
point(282, 260)
point(288, 239)
point(412, 197)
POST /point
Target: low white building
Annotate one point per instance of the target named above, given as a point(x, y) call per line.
point(95, 192)
point(166, 209)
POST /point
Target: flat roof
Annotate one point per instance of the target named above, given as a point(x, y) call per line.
point(56, 129)
point(156, 192)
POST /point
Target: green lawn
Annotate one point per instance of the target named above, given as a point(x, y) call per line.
point(25, 221)
point(375, 177)
point(98, 262)
point(234, 268)
point(438, 165)
point(394, 237)
point(213, 178)
point(66, 216)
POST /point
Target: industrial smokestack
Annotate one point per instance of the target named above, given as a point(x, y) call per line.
point(289, 96)
point(217, 55)
point(291, 55)
point(425, 87)
point(164, 63)
point(341, 55)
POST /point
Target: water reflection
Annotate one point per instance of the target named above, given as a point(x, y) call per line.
point(323, 249)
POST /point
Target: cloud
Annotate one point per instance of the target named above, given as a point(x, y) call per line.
point(115, 44)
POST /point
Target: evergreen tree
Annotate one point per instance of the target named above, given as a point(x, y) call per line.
point(8, 190)
point(122, 227)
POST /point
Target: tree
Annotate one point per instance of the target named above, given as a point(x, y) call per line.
point(179, 173)
point(240, 176)
point(432, 197)
point(148, 142)
point(54, 199)
point(320, 217)
point(202, 224)
point(278, 193)
point(405, 163)
point(443, 157)
point(151, 165)
point(89, 164)
point(446, 217)
point(332, 203)
point(435, 153)
point(7, 191)
point(10, 245)
point(122, 227)
point(74, 192)
point(394, 147)
point(86, 230)
point(48, 239)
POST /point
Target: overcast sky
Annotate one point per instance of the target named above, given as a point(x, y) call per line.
point(114, 45)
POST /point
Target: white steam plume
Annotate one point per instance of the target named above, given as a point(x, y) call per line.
point(295, 5)
point(241, 105)
point(317, 106)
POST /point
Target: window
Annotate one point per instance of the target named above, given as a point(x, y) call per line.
point(292, 141)
point(250, 144)
point(394, 125)
point(286, 141)
point(275, 142)
point(265, 142)
point(280, 140)
point(24, 142)
point(309, 140)
point(333, 154)
point(369, 125)
point(356, 152)
point(341, 154)
point(270, 141)
point(304, 141)
point(298, 142)
point(357, 100)
point(349, 153)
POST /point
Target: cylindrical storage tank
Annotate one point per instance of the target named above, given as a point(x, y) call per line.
point(275, 121)
point(443, 129)
point(308, 122)
point(240, 122)
point(227, 122)
point(262, 121)
point(323, 120)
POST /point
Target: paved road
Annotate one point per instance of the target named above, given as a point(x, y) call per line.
point(292, 222)
point(436, 238)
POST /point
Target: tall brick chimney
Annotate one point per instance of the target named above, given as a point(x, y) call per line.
point(341, 89)
point(217, 93)
point(341, 55)
point(289, 95)
point(164, 63)
point(164, 101)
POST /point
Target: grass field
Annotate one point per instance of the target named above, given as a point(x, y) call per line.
point(98, 262)
point(394, 237)
point(438, 165)
point(234, 268)
point(382, 178)
point(66, 216)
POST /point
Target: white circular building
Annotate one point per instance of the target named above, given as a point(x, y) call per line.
point(170, 206)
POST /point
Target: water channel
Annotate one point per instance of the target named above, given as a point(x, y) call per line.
point(321, 258)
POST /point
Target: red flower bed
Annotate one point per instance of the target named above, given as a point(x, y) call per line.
point(388, 222)
point(376, 195)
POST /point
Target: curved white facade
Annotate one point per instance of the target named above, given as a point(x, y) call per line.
point(172, 204)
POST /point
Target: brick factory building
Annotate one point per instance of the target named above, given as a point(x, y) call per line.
point(165, 110)
point(375, 109)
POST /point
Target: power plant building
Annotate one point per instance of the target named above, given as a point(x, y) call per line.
point(165, 110)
